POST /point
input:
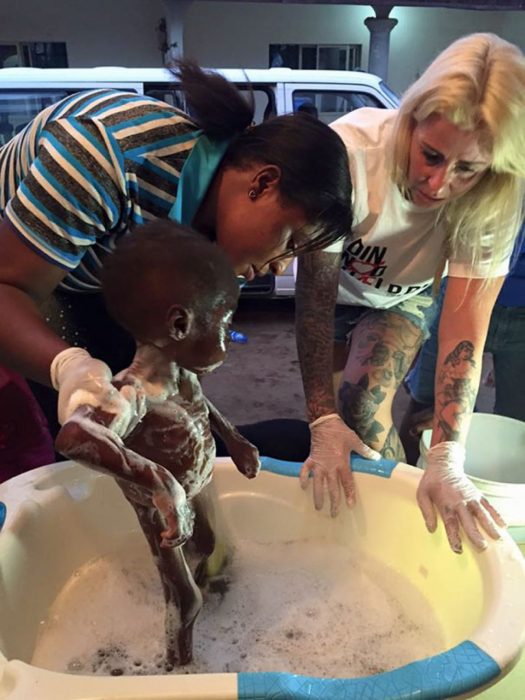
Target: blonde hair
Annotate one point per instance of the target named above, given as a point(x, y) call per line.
point(478, 83)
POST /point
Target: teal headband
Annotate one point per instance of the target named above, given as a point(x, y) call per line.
point(196, 176)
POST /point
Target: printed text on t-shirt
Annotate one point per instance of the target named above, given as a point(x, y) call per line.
point(367, 264)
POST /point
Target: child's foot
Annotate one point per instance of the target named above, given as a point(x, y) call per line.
point(218, 584)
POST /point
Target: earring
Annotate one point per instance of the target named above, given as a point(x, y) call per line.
point(252, 194)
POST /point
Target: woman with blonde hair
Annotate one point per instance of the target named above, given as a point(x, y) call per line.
point(437, 183)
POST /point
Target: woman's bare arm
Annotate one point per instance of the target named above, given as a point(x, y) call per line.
point(27, 344)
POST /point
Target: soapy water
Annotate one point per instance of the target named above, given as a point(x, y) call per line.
point(298, 607)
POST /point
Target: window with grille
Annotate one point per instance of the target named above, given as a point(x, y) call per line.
point(39, 54)
point(315, 56)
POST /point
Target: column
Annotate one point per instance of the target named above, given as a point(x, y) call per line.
point(380, 28)
point(175, 11)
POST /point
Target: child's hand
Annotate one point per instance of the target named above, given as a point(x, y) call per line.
point(245, 456)
point(176, 513)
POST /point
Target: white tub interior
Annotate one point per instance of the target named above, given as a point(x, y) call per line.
point(62, 517)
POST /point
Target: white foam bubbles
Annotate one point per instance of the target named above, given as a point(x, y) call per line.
point(299, 607)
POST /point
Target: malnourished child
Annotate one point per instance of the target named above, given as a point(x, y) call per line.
point(175, 292)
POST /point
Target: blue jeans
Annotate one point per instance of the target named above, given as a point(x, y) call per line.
point(506, 342)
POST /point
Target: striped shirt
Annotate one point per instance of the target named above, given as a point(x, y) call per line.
point(88, 169)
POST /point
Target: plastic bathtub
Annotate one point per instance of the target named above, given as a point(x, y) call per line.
point(59, 517)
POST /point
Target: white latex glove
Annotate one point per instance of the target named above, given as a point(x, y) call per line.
point(82, 380)
point(332, 441)
point(445, 487)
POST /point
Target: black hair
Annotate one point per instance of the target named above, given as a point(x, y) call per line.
point(314, 166)
point(160, 264)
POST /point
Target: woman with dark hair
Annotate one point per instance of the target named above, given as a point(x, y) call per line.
point(97, 164)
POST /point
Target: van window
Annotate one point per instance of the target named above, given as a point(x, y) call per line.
point(264, 98)
point(328, 105)
point(389, 92)
point(19, 107)
point(165, 93)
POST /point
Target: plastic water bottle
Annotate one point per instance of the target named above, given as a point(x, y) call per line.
point(238, 337)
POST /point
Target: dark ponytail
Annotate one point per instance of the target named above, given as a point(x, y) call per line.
point(315, 173)
point(213, 102)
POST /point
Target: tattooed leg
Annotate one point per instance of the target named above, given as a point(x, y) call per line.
point(383, 347)
point(417, 418)
point(393, 447)
point(340, 357)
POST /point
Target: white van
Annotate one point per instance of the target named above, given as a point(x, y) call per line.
point(326, 94)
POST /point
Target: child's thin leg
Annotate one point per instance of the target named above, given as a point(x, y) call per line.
point(183, 604)
point(181, 594)
point(203, 538)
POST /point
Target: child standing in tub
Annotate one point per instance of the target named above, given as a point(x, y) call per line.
point(175, 293)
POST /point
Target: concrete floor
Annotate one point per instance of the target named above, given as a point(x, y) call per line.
point(260, 380)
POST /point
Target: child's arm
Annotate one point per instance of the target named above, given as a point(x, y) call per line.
point(86, 439)
point(244, 455)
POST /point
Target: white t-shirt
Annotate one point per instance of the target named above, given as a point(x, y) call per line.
point(396, 247)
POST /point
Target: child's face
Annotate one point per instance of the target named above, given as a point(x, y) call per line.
point(204, 349)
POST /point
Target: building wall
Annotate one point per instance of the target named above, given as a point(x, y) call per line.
point(97, 32)
point(236, 34)
point(422, 33)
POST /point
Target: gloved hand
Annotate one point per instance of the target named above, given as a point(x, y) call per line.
point(82, 380)
point(332, 441)
point(445, 487)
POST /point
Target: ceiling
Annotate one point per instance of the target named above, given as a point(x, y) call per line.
point(384, 4)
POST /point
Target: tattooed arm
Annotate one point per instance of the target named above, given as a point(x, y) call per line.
point(444, 486)
point(463, 329)
point(331, 440)
point(316, 293)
